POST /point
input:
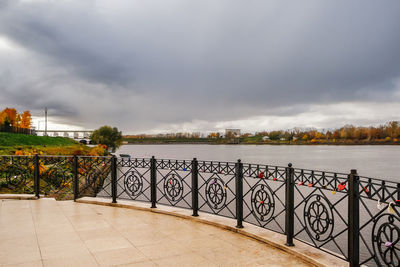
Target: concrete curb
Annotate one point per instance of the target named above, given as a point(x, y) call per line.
point(18, 196)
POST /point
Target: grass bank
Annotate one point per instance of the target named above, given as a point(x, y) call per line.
point(22, 144)
point(11, 139)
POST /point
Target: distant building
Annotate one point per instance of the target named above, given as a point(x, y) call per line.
point(266, 138)
point(229, 133)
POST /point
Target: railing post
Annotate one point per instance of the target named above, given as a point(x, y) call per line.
point(153, 182)
point(36, 177)
point(239, 193)
point(354, 219)
point(114, 179)
point(76, 181)
point(195, 187)
point(289, 203)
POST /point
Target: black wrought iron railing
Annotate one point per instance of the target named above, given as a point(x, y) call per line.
point(351, 217)
point(13, 129)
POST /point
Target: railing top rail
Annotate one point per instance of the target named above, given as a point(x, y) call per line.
point(320, 171)
point(108, 157)
point(245, 164)
point(55, 156)
point(172, 160)
point(377, 179)
point(219, 162)
point(134, 159)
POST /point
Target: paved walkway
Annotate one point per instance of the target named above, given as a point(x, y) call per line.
point(63, 233)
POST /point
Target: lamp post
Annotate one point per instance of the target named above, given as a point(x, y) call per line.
point(45, 124)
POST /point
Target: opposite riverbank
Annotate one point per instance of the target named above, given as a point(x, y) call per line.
point(256, 141)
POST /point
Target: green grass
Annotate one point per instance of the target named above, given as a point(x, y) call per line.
point(11, 139)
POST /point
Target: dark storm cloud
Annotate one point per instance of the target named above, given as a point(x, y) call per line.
point(139, 64)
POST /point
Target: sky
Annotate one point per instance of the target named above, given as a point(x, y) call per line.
point(176, 66)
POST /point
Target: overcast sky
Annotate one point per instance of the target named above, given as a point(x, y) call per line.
point(155, 66)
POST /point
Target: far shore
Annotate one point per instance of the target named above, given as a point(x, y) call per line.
point(272, 143)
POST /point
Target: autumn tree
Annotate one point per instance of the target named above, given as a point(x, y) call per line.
point(18, 120)
point(3, 117)
point(11, 114)
point(274, 135)
point(108, 136)
point(392, 129)
point(26, 120)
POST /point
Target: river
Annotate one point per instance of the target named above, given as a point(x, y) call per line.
point(372, 161)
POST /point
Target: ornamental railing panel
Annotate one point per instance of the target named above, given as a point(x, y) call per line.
point(217, 193)
point(321, 210)
point(174, 185)
point(379, 222)
point(264, 196)
point(93, 176)
point(133, 179)
point(17, 174)
point(57, 176)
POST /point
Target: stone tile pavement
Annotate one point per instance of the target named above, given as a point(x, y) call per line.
point(46, 232)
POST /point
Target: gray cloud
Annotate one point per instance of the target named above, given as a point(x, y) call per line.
point(140, 65)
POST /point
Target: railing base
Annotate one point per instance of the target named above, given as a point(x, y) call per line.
point(19, 196)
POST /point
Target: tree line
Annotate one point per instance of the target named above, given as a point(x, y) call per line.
point(388, 131)
point(9, 117)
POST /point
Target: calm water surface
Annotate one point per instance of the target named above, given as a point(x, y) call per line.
point(373, 161)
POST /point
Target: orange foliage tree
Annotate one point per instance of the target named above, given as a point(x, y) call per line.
point(26, 120)
point(11, 117)
point(11, 114)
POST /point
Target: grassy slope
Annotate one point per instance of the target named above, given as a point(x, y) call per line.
point(10, 139)
point(10, 143)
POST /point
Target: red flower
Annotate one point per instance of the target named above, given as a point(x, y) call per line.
point(341, 186)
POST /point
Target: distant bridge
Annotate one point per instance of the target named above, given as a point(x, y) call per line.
point(75, 134)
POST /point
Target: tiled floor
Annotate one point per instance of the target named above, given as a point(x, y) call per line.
point(53, 233)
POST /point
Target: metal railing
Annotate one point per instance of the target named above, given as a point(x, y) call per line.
point(351, 217)
point(13, 129)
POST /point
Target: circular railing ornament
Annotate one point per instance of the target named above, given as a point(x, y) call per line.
point(133, 183)
point(318, 217)
point(262, 202)
point(385, 240)
point(56, 177)
point(216, 193)
point(173, 187)
point(17, 177)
